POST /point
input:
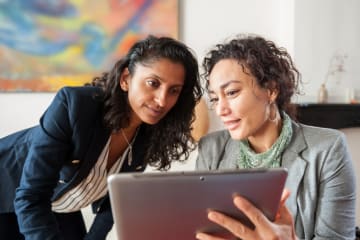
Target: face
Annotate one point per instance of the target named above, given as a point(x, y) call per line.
point(153, 89)
point(238, 100)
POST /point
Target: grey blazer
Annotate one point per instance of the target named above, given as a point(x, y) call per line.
point(321, 178)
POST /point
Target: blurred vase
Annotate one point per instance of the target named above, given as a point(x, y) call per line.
point(350, 95)
point(322, 94)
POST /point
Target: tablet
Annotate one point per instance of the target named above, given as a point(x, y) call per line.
point(173, 205)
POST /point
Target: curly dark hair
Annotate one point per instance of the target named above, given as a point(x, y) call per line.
point(170, 138)
point(271, 66)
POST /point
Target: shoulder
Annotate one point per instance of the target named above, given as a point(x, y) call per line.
point(321, 147)
point(79, 98)
point(214, 144)
point(215, 138)
point(75, 104)
point(318, 136)
point(217, 150)
point(320, 131)
point(79, 93)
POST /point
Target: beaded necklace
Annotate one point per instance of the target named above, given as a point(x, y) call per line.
point(272, 157)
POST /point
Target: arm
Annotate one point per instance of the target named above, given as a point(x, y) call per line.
point(335, 215)
point(50, 148)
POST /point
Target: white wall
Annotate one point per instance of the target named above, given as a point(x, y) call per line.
point(324, 27)
point(21, 110)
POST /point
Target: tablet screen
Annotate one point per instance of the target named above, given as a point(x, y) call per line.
point(164, 205)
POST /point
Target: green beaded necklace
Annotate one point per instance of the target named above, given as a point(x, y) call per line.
point(272, 157)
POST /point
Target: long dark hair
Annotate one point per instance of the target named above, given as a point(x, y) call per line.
point(170, 138)
point(272, 66)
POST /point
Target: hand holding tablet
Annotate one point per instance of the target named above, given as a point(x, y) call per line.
point(265, 229)
point(163, 205)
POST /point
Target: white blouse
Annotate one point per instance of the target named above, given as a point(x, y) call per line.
point(93, 187)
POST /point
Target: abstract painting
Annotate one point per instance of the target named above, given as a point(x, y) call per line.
point(47, 44)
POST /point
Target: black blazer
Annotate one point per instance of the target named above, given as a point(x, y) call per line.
point(55, 156)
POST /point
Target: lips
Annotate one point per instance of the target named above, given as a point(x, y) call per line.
point(232, 124)
point(155, 112)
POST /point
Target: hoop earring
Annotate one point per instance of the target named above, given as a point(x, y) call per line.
point(276, 112)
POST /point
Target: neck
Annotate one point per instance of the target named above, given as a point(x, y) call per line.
point(120, 140)
point(266, 136)
point(129, 131)
point(134, 122)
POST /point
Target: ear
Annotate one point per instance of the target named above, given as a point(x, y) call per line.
point(273, 92)
point(124, 80)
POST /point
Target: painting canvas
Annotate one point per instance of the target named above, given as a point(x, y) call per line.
point(45, 45)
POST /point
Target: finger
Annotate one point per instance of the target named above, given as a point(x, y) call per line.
point(234, 226)
point(285, 195)
point(285, 216)
point(204, 236)
point(254, 214)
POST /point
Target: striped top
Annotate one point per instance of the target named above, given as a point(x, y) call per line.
point(93, 187)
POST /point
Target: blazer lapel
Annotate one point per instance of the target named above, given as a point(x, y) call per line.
point(296, 165)
point(231, 154)
point(96, 145)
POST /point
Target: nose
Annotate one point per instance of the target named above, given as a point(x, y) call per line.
point(222, 107)
point(160, 98)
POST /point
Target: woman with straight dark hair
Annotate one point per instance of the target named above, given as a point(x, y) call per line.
point(138, 113)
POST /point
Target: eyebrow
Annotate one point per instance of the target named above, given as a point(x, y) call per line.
point(225, 85)
point(162, 80)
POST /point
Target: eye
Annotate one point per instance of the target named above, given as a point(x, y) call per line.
point(213, 102)
point(175, 90)
point(232, 93)
point(153, 83)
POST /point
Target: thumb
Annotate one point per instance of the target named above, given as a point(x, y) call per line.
point(284, 215)
point(285, 195)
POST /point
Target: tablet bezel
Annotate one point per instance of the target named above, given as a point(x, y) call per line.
point(165, 205)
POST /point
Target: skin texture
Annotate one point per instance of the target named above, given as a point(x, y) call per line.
point(242, 105)
point(172, 133)
point(248, 112)
point(153, 89)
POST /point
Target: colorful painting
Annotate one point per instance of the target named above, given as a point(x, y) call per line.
point(47, 44)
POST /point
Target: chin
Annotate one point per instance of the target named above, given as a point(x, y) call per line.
point(151, 121)
point(236, 135)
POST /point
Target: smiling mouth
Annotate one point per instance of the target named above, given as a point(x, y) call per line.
point(231, 125)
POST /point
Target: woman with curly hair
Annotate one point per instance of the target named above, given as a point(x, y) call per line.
point(138, 113)
point(250, 82)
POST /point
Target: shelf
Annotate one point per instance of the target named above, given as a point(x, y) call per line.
point(330, 115)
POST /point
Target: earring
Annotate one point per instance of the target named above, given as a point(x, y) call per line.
point(276, 112)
